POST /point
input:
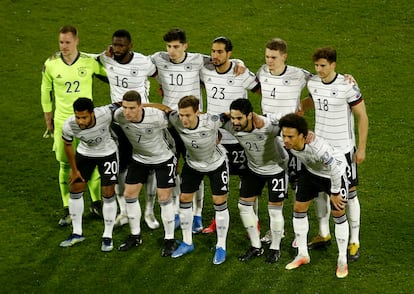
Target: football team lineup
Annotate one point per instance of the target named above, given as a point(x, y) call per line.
point(271, 150)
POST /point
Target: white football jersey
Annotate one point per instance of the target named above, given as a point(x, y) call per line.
point(223, 88)
point(203, 152)
point(334, 120)
point(130, 76)
point(321, 159)
point(281, 93)
point(148, 137)
point(265, 153)
point(95, 141)
point(179, 79)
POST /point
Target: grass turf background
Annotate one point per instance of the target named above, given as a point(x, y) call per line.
point(374, 41)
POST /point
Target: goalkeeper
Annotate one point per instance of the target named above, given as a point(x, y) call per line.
point(66, 76)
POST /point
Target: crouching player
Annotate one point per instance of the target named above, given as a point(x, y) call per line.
point(96, 149)
point(324, 171)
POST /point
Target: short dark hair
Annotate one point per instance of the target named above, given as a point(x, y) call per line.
point(328, 53)
point(132, 95)
point(189, 101)
point(294, 121)
point(226, 41)
point(69, 29)
point(277, 44)
point(82, 104)
point(122, 34)
point(175, 34)
point(243, 105)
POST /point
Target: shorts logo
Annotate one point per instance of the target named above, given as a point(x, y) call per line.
point(82, 72)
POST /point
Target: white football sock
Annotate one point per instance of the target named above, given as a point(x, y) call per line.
point(109, 209)
point(186, 221)
point(341, 235)
point(301, 228)
point(354, 215)
point(249, 219)
point(167, 217)
point(133, 209)
point(76, 207)
point(277, 224)
point(222, 224)
point(323, 212)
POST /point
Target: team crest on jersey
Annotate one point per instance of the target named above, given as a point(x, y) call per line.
point(214, 118)
point(188, 67)
point(203, 134)
point(230, 81)
point(260, 137)
point(82, 71)
point(134, 71)
point(148, 131)
point(334, 92)
point(286, 82)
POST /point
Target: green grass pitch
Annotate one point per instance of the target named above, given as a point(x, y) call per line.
point(374, 40)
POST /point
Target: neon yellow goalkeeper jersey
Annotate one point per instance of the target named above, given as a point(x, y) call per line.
point(66, 83)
